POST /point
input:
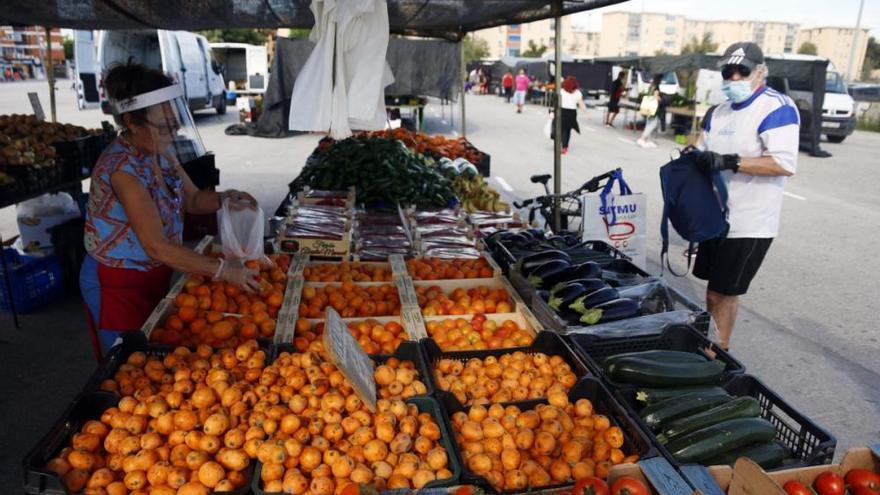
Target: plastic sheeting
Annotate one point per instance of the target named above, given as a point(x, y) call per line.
point(449, 19)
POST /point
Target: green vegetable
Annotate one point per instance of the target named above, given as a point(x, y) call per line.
point(656, 416)
point(768, 455)
point(741, 407)
point(652, 395)
point(645, 372)
point(660, 355)
point(702, 445)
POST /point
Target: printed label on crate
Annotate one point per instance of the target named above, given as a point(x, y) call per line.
point(413, 323)
point(285, 325)
point(155, 316)
point(349, 357)
point(398, 265)
point(407, 291)
point(300, 260)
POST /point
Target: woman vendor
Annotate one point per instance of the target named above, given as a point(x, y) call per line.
point(134, 218)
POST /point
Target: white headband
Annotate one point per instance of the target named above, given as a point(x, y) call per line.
point(145, 100)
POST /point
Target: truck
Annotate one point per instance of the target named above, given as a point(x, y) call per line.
point(246, 66)
point(185, 56)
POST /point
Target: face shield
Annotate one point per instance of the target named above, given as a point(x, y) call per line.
point(167, 125)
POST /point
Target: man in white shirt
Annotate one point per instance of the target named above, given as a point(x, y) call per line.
point(752, 139)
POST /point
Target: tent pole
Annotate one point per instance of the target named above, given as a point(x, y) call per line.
point(50, 69)
point(461, 77)
point(852, 52)
point(557, 113)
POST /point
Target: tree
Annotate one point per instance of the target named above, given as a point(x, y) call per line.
point(705, 45)
point(249, 36)
point(872, 58)
point(808, 48)
point(534, 50)
point(475, 49)
point(660, 52)
point(68, 48)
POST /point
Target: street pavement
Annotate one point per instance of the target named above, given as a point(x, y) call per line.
point(806, 328)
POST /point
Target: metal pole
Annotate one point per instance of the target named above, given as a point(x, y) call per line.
point(461, 77)
point(855, 43)
point(50, 68)
point(557, 113)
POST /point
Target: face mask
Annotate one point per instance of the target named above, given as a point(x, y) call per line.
point(737, 91)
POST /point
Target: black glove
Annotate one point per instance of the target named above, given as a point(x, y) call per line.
point(710, 161)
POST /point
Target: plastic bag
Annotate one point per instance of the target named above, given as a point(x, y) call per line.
point(36, 216)
point(242, 232)
point(548, 128)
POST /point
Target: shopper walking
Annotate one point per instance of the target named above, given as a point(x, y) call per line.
point(570, 99)
point(652, 121)
point(507, 86)
point(521, 85)
point(618, 87)
point(752, 140)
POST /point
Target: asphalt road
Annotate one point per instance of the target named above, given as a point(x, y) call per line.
point(806, 328)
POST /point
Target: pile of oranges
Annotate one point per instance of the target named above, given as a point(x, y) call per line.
point(182, 426)
point(350, 300)
point(482, 299)
point(516, 376)
point(374, 337)
point(439, 268)
point(347, 271)
point(202, 293)
point(551, 444)
point(459, 334)
point(190, 327)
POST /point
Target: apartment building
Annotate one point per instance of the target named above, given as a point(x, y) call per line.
point(23, 49)
point(628, 33)
point(514, 39)
point(585, 44)
point(836, 44)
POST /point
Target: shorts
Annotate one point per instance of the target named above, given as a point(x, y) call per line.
point(519, 97)
point(614, 106)
point(730, 264)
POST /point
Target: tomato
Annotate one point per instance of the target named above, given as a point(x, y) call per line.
point(627, 485)
point(590, 485)
point(465, 490)
point(795, 487)
point(863, 478)
point(829, 483)
point(861, 490)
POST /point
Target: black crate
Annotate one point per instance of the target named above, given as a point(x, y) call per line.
point(598, 251)
point(546, 342)
point(674, 338)
point(635, 440)
point(807, 443)
point(88, 406)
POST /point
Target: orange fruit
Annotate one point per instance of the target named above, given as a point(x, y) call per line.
point(185, 300)
point(187, 313)
point(174, 323)
point(275, 299)
point(222, 330)
point(213, 316)
point(197, 325)
point(248, 330)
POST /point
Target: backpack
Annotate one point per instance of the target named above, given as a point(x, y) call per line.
point(697, 210)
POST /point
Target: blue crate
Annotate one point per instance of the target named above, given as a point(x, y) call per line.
point(35, 281)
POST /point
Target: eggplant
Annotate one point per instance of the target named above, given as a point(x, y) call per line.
point(593, 299)
point(548, 274)
point(566, 295)
point(591, 284)
point(618, 309)
point(544, 294)
point(588, 269)
point(527, 264)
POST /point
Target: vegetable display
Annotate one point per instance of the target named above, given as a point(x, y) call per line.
point(459, 334)
point(436, 145)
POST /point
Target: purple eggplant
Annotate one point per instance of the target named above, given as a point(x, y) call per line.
point(593, 299)
point(548, 274)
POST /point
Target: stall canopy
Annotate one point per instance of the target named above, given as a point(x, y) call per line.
point(448, 19)
point(785, 76)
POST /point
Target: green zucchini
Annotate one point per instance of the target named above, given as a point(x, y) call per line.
point(652, 395)
point(658, 415)
point(741, 407)
point(645, 372)
point(768, 455)
point(662, 356)
point(702, 445)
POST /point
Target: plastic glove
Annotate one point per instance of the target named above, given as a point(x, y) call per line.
point(234, 272)
point(710, 161)
point(238, 200)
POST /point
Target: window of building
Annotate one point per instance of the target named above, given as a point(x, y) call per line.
point(670, 30)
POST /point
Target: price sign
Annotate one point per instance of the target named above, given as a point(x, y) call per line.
point(155, 316)
point(349, 357)
point(37, 106)
point(299, 264)
point(407, 292)
point(413, 323)
point(398, 265)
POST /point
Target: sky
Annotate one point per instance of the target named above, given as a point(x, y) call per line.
point(807, 13)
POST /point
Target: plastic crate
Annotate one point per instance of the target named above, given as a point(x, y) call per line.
point(547, 342)
point(675, 338)
point(425, 404)
point(598, 251)
point(635, 440)
point(35, 281)
point(807, 443)
point(67, 242)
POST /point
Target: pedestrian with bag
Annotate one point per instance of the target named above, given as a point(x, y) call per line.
point(652, 108)
point(751, 140)
point(618, 87)
point(570, 99)
point(507, 86)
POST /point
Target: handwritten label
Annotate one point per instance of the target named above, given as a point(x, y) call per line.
point(398, 265)
point(285, 326)
point(349, 357)
point(413, 323)
point(37, 106)
point(299, 264)
point(320, 247)
point(157, 314)
point(406, 291)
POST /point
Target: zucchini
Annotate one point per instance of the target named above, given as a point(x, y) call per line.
point(768, 455)
point(658, 415)
point(741, 407)
point(647, 373)
point(702, 445)
point(663, 356)
point(652, 395)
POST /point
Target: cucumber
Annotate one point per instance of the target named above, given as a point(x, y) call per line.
point(658, 415)
point(702, 445)
point(741, 407)
point(652, 395)
point(767, 455)
point(645, 372)
point(657, 355)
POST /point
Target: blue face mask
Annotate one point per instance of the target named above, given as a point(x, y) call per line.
point(737, 91)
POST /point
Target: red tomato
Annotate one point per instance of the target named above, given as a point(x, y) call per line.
point(860, 490)
point(829, 483)
point(795, 487)
point(627, 485)
point(863, 478)
point(590, 485)
point(465, 490)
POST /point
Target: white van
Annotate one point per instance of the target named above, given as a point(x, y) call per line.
point(245, 65)
point(640, 81)
point(183, 55)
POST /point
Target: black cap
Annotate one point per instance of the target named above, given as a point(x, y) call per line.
point(742, 53)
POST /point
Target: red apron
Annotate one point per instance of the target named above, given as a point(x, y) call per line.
point(128, 296)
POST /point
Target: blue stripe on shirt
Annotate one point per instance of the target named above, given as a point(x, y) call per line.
point(782, 116)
